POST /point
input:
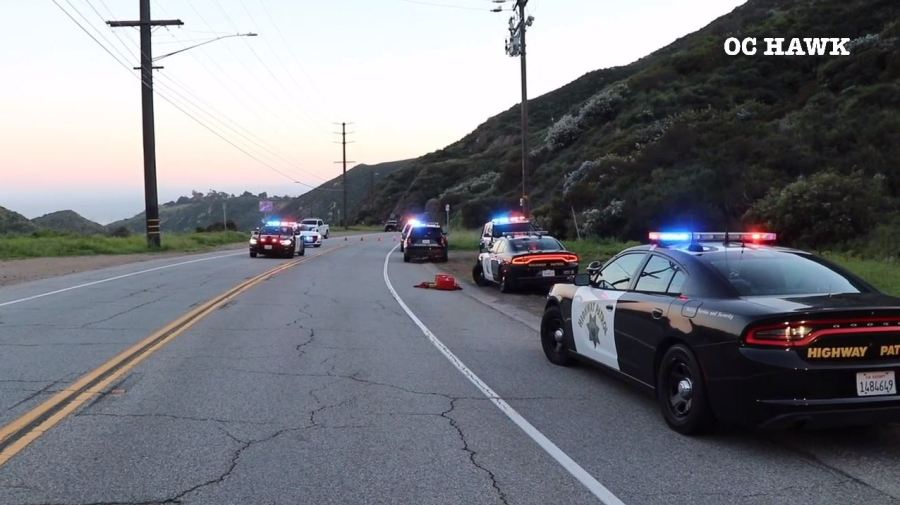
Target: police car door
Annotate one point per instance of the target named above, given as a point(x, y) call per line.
point(490, 263)
point(594, 309)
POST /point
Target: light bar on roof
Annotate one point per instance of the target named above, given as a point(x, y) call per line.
point(675, 237)
point(670, 236)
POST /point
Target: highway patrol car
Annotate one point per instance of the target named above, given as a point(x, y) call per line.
point(517, 261)
point(277, 239)
point(424, 241)
point(726, 326)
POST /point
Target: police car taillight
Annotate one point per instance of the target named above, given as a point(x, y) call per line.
point(545, 258)
point(802, 333)
point(782, 335)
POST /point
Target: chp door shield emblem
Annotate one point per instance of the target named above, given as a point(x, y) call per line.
point(593, 313)
point(593, 320)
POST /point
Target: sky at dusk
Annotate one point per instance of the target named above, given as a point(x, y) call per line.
point(413, 76)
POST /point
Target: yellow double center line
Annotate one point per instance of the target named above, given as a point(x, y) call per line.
point(16, 435)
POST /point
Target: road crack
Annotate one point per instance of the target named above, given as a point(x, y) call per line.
point(175, 417)
point(471, 452)
point(126, 311)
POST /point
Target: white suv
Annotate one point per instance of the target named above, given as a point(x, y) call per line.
point(317, 225)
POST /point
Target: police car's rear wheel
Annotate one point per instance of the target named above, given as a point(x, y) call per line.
point(506, 284)
point(552, 338)
point(681, 392)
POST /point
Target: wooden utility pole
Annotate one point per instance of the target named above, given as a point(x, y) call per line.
point(515, 46)
point(151, 203)
point(345, 215)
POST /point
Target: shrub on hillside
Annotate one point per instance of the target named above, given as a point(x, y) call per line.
point(825, 208)
point(600, 106)
point(120, 232)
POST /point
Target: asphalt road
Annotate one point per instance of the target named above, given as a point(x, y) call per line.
point(316, 386)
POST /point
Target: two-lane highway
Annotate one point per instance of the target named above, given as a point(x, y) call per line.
point(316, 386)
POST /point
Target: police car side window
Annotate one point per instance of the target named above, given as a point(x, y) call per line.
point(617, 275)
point(656, 276)
point(677, 283)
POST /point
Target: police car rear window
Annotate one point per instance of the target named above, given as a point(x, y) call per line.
point(500, 229)
point(779, 274)
point(425, 232)
point(535, 244)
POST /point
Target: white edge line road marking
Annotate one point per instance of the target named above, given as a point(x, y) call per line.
point(101, 281)
point(594, 486)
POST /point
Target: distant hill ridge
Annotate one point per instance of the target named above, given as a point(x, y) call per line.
point(68, 221)
point(204, 210)
point(13, 222)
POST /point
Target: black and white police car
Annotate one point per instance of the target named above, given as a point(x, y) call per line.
point(277, 238)
point(730, 327)
point(518, 260)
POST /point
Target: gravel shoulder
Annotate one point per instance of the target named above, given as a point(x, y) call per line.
point(30, 269)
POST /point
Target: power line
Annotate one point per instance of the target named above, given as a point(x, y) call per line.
point(289, 49)
point(280, 62)
point(287, 91)
point(174, 104)
point(246, 135)
point(447, 6)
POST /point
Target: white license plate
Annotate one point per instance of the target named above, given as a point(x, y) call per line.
point(267, 247)
point(875, 383)
point(426, 241)
point(548, 273)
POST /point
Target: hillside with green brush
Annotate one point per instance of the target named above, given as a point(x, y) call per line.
point(689, 136)
point(69, 221)
point(13, 222)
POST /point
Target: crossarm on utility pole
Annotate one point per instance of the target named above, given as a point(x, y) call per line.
point(158, 22)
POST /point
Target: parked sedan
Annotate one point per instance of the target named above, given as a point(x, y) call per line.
point(517, 261)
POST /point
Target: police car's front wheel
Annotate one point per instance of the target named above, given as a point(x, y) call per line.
point(478, 275)
point(553, 338)
point(681, 392)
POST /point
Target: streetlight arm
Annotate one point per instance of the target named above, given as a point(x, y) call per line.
point(204, 43)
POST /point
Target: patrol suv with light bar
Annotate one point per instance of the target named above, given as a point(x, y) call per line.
point(727, 326)
point(504, 225)
point(424, 241)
